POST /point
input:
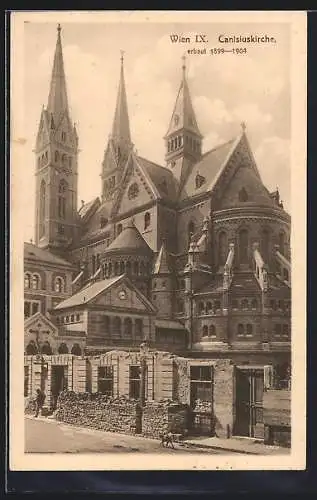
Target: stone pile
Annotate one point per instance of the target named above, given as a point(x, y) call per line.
point(203, 406)
point(160, 417)
point(98, 412)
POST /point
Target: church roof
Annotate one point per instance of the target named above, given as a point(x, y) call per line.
point(129, 239)
point(85, 295)
point(57, 100)
point(161, 177)
point(97, 225)
point(205, 172)
point(32, 252)
point(86, 208)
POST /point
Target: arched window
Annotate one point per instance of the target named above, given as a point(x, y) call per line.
point(76, 350)
point(63, 349)
point(254, 304)
point(110, 270)
point(138, 328)
point(244, 304)
point(179, 141)
point(59, 285)
point(208, 307)
point(222, 248)
point(243, 195)
point(217, 304)
point(273, 304)
point(281, 242)
point(249, 329)
point(116, 268)
point(122, 267)
point(240, 329)
point(62, 190)
point(119, 229)
point(117, 326)
point(142, 269)
point(46, 348)
point(212, 331)
point(105, 271)
point(136, 268)
point(201, 307)
point(243, 246)
point(128, 327)
point(36, 282)
point(285, 274)
point(42, 209)
point(205, 331)
point(147, 220)
point(56, 156)
point(27, 280)
point(265, 244)
point(31, 348)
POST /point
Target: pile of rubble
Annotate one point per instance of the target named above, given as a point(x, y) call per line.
point(98, 412)
point(203, 406)
point(160, 417)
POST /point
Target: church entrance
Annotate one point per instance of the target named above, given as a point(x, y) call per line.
point(59, 382)
point(249, 402)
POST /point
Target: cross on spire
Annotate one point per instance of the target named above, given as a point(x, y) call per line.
point(243, 126)
point(122, 52)
point(59, 28)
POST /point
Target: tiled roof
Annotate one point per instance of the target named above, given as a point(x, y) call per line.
point(161, 177)
point(35, 253)
point(208, 169)
point(94, 227)
point(85, 295)
point(129, 238)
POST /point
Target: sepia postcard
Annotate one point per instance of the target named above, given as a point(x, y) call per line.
point(158, 240)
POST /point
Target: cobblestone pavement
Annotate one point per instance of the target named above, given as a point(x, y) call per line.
point(50, 436)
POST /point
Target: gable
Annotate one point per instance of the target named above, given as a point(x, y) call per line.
point(124, 296)
point(43, 133)
point(239, 182)
point(135, 191)
point(40, 325)
point(244, 188)
point(64, 127)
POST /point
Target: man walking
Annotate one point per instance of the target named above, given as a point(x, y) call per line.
point(39, 401)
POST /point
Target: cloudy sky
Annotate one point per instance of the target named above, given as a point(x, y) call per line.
point(226, 89)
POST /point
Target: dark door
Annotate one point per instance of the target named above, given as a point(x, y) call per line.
point(59, 382)
point(249, 403)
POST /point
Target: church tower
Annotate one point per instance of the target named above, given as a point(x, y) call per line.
point(183, 139)
point(56, 153)
point(119, 144)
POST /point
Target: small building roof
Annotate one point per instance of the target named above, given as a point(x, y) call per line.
point(129, 239)
point(88, 293)
point(32, 252)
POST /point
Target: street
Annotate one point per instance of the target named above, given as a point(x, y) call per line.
point(50, 436)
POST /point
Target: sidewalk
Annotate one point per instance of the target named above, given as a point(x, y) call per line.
point(237, 445)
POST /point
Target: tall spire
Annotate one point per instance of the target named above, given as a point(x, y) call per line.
point(121, 125)
point(57, 99)
point(183, 116)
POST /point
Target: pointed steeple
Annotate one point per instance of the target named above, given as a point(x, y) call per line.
point(119, 144)
point(183, 116)
point(57, 99)
point(183, 138)
point(121, 125)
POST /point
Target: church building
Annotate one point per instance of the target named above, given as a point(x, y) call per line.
point(192, 255)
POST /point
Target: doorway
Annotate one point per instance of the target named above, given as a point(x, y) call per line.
point(59, 382)
point(249, 402)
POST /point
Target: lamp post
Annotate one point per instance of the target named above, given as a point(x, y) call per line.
point(144, 349)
